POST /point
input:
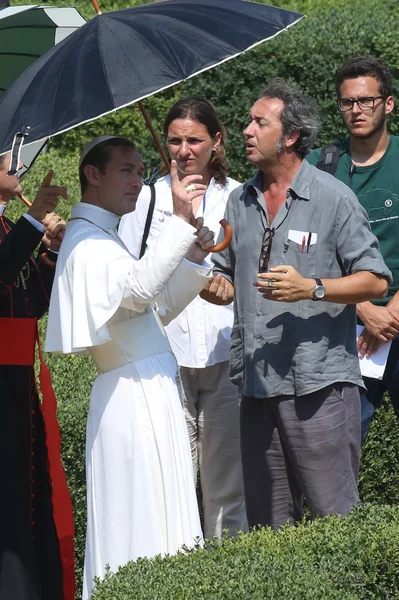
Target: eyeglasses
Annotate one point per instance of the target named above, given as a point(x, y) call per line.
point(265, 250)
point(366, 103)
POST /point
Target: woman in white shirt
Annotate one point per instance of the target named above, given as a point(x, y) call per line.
point(200, 335)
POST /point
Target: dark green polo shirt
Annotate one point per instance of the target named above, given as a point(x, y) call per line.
point(377, 188)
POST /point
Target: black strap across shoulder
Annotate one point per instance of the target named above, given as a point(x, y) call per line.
point(329, 158)
point(148, 221)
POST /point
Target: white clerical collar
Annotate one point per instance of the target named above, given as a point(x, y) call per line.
point(2, 209)
point(99, 216)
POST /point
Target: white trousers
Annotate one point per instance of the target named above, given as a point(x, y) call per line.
point(212, 417)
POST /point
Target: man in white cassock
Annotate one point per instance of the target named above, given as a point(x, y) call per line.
point(141, 498)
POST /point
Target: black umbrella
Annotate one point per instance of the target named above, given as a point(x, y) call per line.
point(122, 57)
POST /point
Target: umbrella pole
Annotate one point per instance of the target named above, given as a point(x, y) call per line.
point(154, 135)
point(96, 7)
point(25, 200)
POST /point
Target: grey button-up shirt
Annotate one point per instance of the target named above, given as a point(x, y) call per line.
point(296, 348)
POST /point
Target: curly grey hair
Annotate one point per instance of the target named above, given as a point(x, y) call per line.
point(299, 114)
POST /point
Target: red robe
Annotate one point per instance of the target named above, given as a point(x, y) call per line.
point(30, 560)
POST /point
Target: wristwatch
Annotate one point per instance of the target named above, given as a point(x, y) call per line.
point(319, 291)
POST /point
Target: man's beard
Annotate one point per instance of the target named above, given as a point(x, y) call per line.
point(377, 128)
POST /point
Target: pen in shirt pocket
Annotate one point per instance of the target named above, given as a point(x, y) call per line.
point(309, 239)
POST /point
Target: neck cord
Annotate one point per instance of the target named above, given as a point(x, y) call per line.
point(112, 235)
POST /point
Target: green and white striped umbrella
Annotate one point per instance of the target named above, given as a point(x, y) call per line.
point(27, 32)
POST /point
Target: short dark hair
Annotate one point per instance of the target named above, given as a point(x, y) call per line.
point(366, 66)
point(101, 155)
point(299, 114)
point(202, 110)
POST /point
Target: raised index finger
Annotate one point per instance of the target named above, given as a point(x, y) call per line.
point(47, 180)
point(174, 178)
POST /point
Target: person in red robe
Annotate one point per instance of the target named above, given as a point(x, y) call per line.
point(31, 565)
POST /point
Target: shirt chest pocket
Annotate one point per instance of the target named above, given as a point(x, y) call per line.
point(300, 252)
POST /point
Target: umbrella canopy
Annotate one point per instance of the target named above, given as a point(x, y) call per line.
point(27, 32)
point(122, 57)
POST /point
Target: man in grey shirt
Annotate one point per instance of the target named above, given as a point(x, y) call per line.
point(302, 256)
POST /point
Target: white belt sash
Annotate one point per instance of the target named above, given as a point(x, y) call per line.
point(132, 340)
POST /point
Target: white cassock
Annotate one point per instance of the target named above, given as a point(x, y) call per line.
point(140, 492)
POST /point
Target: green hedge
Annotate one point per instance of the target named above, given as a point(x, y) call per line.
point(307, 55)
point(330, 559)
point(378, 483)
point(379, 466)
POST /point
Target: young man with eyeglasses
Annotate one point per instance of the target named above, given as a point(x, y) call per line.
point(301, 257)
point(367, 162)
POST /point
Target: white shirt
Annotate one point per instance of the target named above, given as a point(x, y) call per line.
point(200, 335)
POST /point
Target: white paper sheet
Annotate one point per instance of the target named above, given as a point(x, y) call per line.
point(375, 365)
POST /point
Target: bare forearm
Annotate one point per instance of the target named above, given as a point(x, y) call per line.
point(362, 309)
point(393, 304)
point(365, 308)
point(354, 289)
point(284, 284)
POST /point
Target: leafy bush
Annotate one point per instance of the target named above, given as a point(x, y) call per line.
point(308, 56)
point(379, 466)
point(73, 377)
point(336, 559)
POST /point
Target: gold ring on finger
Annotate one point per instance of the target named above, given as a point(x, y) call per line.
point(191, 188)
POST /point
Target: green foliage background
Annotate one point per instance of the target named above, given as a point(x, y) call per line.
point(333, 558)
point(308, 55)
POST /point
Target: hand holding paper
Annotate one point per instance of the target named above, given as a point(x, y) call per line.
point(374, 366)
